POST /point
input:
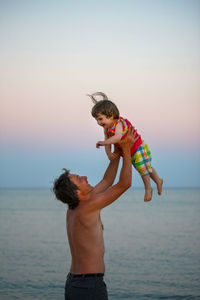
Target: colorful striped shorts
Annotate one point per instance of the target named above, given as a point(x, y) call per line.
point(141, 160)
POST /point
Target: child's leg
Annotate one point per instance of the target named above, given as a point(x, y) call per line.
point(148, 188)
point(157, 180)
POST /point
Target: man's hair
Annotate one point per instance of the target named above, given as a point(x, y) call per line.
point(65, 190)
point(104, 107)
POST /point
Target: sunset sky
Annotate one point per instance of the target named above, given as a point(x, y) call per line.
point(144, 54)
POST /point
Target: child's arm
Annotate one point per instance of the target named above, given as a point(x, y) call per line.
point(114, 139)
point(109, 153)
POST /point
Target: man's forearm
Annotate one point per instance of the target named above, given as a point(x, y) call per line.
point(126, 171)
point(111, 170)
point(108, 149)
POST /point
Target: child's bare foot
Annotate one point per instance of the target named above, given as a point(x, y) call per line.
point(148, 194)
point(159, 186)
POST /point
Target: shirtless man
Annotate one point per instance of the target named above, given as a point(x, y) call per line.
point(84, 226)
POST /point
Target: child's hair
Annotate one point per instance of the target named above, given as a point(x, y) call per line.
point(104, 107)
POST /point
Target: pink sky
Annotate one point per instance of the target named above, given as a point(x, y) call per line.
point(148, 66)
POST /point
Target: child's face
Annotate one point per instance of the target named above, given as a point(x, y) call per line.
point(104, 121)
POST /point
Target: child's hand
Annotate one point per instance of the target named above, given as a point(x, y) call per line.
point(98, 144)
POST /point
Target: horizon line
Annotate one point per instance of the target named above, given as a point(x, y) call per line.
point(136, 187)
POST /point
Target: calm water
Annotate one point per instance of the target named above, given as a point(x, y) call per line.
point(152, 249)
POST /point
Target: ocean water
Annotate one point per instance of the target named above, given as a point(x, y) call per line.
point(152, 249)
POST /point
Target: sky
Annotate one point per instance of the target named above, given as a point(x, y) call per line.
point(144, 54)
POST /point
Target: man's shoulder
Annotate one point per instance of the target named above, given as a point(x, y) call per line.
point(86, 207)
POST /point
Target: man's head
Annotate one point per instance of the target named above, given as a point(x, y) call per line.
point(65, 190)
point(71, 189)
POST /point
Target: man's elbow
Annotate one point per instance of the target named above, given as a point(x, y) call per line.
point(111, 182)
point(126, 185)
point(128, 182)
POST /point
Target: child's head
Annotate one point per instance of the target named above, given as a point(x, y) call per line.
point(104, 107)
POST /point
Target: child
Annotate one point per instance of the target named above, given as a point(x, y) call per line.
point(115, 127)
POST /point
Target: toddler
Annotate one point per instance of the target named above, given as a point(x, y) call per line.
point(115, 127)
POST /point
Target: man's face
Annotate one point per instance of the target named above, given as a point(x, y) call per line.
point(81, 182)
point(104, 121)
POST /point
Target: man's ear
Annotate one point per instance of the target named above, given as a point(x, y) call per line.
point(79, 194)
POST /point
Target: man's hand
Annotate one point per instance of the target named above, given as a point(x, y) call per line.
point(130, 139)
point(112, 155)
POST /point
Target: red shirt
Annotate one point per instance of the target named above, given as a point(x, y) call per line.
point(126, 125)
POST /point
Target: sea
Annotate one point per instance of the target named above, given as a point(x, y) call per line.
point(152, 249)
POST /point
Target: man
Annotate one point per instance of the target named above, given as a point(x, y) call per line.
point(84, 226)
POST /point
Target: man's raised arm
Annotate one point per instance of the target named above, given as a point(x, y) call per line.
point(105, 198)
point(109, 176)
